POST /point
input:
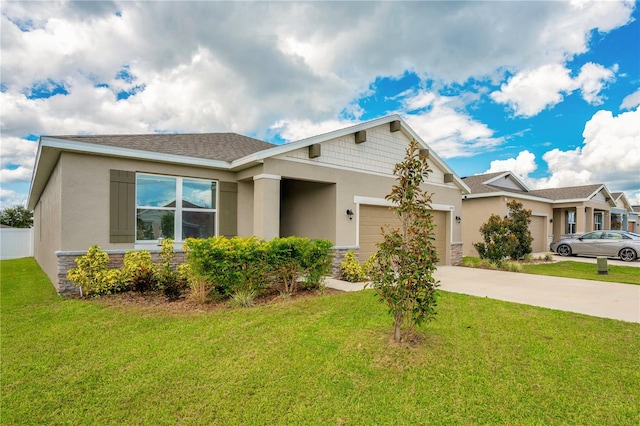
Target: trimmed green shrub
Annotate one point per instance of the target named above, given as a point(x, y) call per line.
point(351, 269)
point(92, 274)
point(285, 257)
point(316, 263)
point(207, 258)
point(251, 264)
point(247, 265)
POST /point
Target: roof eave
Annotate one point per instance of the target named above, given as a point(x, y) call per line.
point(260, 156)
point(54, 146)
point(507, 194)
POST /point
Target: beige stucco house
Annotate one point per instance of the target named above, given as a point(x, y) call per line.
point(556, 212)
point(624, 216)
point(124, 192)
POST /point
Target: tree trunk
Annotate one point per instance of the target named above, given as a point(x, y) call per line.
point(398, 327)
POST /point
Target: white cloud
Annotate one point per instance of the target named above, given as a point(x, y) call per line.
point(610, 155)
point(447, 129)
point(17, 158)
point(631, 101)
point(238, 66)
point(530, 92)
point(592, 80)
point(10, 198)
point(301, 129)
point(522, 165)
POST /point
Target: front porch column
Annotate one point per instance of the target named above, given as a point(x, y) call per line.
point(266, 206)
point(580, 220)
point(607, 219)
point(589, 214)
point(558, 224)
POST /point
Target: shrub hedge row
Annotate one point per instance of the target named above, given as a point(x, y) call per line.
point(215, 267)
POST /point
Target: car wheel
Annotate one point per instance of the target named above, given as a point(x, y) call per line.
point(627, 254)
point(564, 250)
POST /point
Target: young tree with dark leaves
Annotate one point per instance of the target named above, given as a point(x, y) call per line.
point(402, 274)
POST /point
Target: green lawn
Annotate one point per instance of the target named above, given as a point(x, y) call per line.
point(573, 269)
point(321, 360)
point(586, 271)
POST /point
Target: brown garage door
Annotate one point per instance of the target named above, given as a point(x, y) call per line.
point(536, 227)
point(372, 218)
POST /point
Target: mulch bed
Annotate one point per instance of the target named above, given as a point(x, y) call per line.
point(156, 301)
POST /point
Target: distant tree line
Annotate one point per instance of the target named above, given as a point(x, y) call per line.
point(17, 216)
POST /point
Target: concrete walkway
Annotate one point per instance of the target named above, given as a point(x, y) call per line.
point(595, 298)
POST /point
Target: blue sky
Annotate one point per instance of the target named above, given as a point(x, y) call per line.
point(549, 90)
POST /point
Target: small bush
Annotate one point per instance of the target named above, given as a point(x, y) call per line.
point(200, 289)
point(139, 271)
point(511, 266)
point(316, 263)
point(351, 269)
point(208, 258)
point(246, 262)
point(243, 299)
point(92, 274)
point(368, 265)
point(488, 264)
point(468, 262)
point(166, 276)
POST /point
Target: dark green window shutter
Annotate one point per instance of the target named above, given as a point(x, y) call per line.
point(122, 207)
point(228, 209)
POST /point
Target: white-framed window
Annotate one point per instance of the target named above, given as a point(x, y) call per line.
point(571, 222)
point(174, 207)
point(598, 221)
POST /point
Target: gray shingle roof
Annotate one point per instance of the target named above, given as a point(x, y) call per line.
point(568, 193)
point(213, 146)
point(477, 185)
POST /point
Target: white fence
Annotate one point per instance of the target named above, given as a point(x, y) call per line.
point(16, 243)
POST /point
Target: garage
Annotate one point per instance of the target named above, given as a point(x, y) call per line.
point(538, 233)
point(372, 218)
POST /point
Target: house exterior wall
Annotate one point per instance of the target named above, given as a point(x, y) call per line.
point(476, 212)
point(47, 224)
point(85, 195)
point(365, 170)
point(351, 184)
point(380, 153)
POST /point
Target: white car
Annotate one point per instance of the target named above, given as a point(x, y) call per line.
point(622, 244)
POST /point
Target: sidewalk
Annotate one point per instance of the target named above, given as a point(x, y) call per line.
point(595, 298)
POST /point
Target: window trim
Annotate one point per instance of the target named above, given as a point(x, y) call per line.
point(598, 221)
point(178, 209)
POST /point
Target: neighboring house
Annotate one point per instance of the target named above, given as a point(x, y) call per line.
point(623, 215)
point(124, 192)
point(555, 212)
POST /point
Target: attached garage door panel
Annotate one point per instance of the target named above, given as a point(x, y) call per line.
point(536, 227)
point(372, 218)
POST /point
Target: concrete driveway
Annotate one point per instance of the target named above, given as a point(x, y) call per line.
point(595, 298)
